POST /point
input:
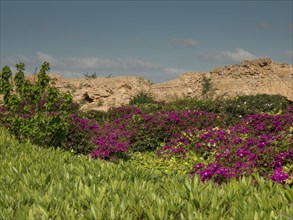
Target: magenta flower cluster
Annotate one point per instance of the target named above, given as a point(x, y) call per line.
point(112, 140)
point(279, 176)
point(259, 143)
point(136, 130)
point(81, 134)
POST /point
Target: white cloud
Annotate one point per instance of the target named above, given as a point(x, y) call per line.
point(42, 57)
point(288, 53)
point(89, 63)
point(186, 42)
point(95, 63)
point(84, 64)
point(238, 55)
point(68, 74)
point(174, 71)
point(77, 66)
point(136, 64)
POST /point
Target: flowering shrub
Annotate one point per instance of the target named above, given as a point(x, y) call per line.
point(279, 176)
point(259, 143)
point(153, 130)
point(146, 132)
point(235, 109)
point(290, 109)
point(81, 135)
point(113, 140)
point(230, 139)
point(123, 111)
point(99, 116)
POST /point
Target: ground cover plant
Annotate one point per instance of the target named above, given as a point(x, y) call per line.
point(215, 143)
point(39, 183)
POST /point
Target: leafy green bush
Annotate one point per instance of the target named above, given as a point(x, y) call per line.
point(38, 112)
point(100, 117)
point(193, 103)
point(208, 90)
point(116, 113)
point(153, 130)
point(90, 75)
point(239, 107)
point(141, 98)
point(154, 107)
point(234, 109)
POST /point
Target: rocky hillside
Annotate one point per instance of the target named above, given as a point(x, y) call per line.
point(249, 77)
point(102, 93)
point(252, 77)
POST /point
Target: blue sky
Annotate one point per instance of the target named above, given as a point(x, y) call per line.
point(155, 39)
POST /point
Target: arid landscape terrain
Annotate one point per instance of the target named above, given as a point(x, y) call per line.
point(257, 76)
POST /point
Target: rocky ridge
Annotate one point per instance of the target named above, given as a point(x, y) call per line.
point(261, 75)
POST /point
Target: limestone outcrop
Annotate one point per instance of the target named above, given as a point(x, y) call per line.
point(261, 75)
point(253, 77)
point(102, 93)
point(247, 78)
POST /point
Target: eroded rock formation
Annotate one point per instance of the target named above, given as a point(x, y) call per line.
point(261, 75)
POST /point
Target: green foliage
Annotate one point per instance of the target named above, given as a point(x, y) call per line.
point(38, 112)
point(90, 76)
point(5, 83)
point(117, 113)
point(42, 183)
point(193, 103)
point(145, 139)
point(23, 86)
point(43, 79)
point(152, 107)
point(81, 135)
point(208, 90)
point(233, 109)
point(100, 117)
point(141, 98)
point(239, 107)
point(39, 183)
point(170, 166)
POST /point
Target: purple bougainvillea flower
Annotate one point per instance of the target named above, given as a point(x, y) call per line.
point(279, 176)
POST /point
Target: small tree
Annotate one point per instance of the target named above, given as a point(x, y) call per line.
point(37, 111)
point(90, 76)
point(5, 83)
point(208, 90)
